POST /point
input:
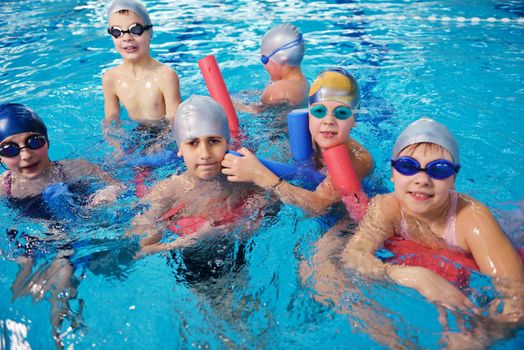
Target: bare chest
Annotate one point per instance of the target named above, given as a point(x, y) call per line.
point(143, 99)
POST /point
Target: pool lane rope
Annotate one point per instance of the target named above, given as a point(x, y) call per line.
point(433, 18)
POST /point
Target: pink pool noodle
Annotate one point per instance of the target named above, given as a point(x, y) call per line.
point(346, 181)
point(218, 90)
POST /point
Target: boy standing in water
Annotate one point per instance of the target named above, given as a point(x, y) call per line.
point(282, 51)
point(148, 89)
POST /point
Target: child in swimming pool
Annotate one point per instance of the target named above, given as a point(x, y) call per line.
point(282, 51)
point(30, 178)
point(200, 200)
point(24, 147)
point(425, 208)
point(333, 98)
point(148, 89)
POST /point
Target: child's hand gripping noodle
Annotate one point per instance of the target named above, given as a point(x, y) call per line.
point(333, 96)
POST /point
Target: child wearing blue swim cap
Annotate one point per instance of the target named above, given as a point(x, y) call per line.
point(148, 89)
point(426, 209)
point(31, 182)
point(24, 146)
point(282, 51)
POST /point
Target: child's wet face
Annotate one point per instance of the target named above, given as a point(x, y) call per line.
point(30, 163)
point(131, 47)
point(420, 194)
point(203, 156)
point(329, 131)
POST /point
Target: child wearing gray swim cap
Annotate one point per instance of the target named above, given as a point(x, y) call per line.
point(426, 209)
point(201, 192)
point(282, 51)
point(148, 89)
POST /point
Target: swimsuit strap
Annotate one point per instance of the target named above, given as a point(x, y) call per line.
point(8, 183)
point(450, 235)
point(61, 171)
point(404, 231)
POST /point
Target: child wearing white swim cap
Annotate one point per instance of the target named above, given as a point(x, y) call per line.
point(426, 209)
point(281, 54)
point(200, 198)
point(148, 89)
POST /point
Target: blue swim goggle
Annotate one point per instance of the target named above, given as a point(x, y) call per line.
point(439, 169)
point(11, 149)
point(341, 112)
point(265, 59)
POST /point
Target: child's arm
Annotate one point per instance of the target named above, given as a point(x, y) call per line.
point(494, 254)
point(80, 167)
point(376, 227)
point(111, 108)
point(249, 169)
point(432, 286)
point(171, 92)
point(149, 224)
point(360, 157)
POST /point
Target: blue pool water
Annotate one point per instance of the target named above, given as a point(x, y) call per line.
point(457, 63)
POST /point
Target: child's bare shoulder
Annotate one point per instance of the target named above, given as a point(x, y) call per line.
point(166, 188)
point(110, 76)
point(166, 73)
point(285, 91)
point(471, 211)
point(385, 202)
point(386, 209)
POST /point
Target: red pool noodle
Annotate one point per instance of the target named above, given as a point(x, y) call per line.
point(341, 170)
point(218, 90)
point(346, 181)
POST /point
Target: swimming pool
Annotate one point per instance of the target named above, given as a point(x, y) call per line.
point(460, 64)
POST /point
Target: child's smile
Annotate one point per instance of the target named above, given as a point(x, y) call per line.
point(419, 193)
point(329, 131)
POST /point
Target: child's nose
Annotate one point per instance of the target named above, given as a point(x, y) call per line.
point(422, 178)
point(205, 152)
point(329, 119)
point(25, 153)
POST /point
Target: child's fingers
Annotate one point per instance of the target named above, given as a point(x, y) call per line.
point(245, 152)
point(233, 178)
